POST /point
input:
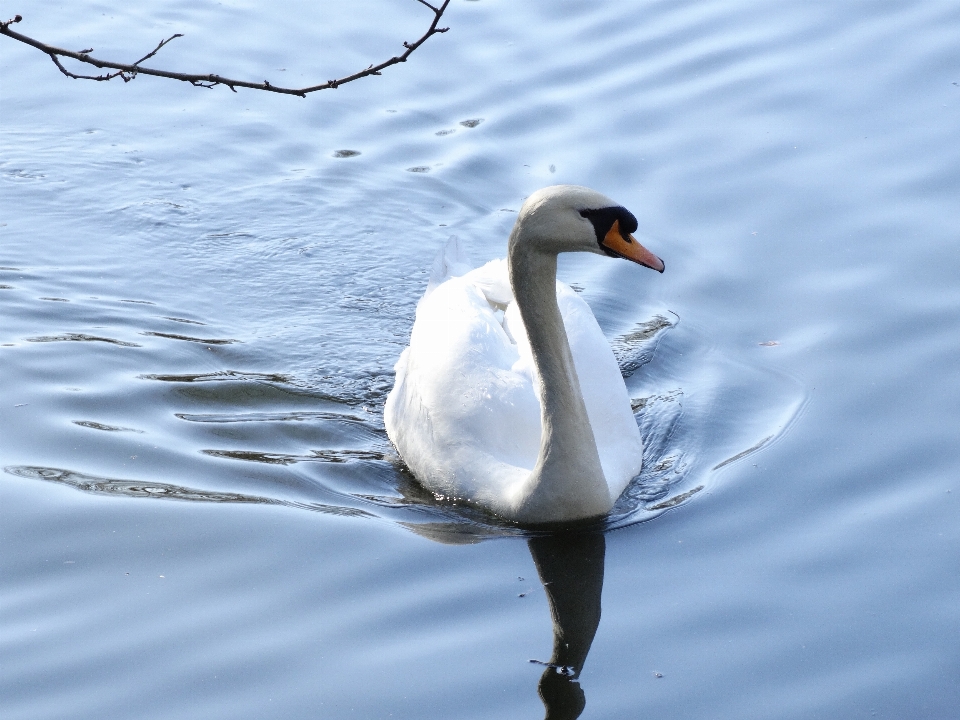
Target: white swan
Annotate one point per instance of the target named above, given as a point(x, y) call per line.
point(509, 396)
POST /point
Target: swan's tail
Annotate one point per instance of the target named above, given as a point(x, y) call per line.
point(451, 261)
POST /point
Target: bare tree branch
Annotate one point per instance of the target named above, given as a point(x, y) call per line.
point(129, 72)
point(154, 51)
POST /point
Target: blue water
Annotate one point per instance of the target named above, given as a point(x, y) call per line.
point(203, 299)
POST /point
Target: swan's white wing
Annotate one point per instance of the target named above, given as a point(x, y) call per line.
point(463, 418)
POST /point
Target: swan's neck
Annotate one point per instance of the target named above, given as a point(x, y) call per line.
point(567, 482)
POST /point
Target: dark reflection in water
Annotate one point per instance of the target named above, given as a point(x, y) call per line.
point(570, 566)
point(165, 491)
point(287, 416)
point(188, 338)
point(636, 348)
point(81, 337)
point(93, 425)
point(327, 456)
point(219, 376)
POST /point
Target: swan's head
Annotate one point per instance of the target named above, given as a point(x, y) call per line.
point(570, 218)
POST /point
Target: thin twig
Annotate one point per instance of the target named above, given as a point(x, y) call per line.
point(111, 76)
point(154, 51)
point(129, 72)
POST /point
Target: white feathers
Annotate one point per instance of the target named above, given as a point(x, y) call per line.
point(465, 411)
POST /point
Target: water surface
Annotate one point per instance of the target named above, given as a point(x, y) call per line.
point(203, 295)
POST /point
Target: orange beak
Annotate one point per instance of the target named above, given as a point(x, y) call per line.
point(627, 247)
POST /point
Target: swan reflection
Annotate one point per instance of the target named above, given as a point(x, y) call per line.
point(570, 566)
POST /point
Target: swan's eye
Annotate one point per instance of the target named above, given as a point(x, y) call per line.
point(603, 220)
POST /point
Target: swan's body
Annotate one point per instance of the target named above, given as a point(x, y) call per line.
point(509, 395)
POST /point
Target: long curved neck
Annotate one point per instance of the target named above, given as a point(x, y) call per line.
point(567, 482)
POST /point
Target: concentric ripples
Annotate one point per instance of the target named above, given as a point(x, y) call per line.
point(269, 425)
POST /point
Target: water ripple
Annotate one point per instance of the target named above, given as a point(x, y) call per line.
point(81, 337)
point(163, 491)
point(187, 338)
